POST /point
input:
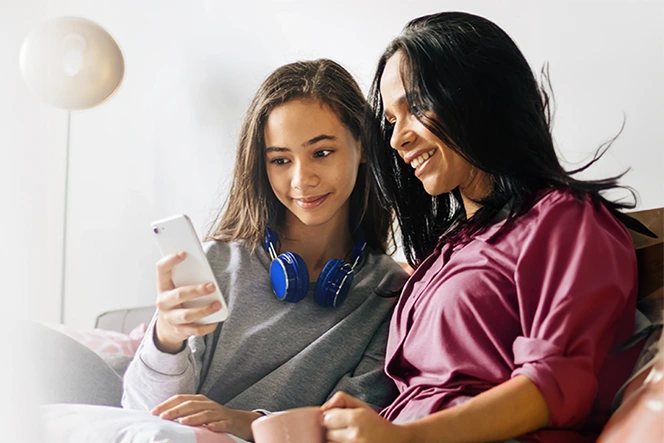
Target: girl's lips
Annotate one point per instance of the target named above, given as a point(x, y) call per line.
point(309, 203)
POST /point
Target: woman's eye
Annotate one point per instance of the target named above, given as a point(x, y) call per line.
point(279, 161)
point(323, 153)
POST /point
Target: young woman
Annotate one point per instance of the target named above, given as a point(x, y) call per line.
point(525, 279)
point(299, 180)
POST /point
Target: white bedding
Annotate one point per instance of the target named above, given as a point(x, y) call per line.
point(77, 423)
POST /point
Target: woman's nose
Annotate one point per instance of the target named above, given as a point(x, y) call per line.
point(402, 136)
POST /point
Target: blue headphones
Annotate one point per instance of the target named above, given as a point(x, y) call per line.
point(290, 277)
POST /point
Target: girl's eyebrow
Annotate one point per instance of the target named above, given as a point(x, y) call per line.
point(319, 138)
point(309, 142)
point(275, 149)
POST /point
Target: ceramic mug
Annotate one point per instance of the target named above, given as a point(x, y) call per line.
point(301, 425)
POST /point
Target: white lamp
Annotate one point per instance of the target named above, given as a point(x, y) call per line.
point(73, 64)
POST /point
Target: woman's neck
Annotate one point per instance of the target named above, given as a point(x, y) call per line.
point(478, 186)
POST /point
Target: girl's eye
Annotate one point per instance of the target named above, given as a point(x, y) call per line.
point(323, 153)
point(278, 161)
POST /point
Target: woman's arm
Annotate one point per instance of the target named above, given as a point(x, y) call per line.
point(512, 408)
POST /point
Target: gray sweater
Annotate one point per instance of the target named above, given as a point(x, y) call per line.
point(275, 355)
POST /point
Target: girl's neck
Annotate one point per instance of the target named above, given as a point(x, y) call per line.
point(316, 244)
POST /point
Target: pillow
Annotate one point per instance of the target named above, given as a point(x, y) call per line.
point(106, 342)
point(640, 416)
point(119, 363)
point(105, 424)
point(652, 351)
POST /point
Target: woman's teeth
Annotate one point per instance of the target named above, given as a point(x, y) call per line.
point(422, 158)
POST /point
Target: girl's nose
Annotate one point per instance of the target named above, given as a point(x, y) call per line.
point(304, 176)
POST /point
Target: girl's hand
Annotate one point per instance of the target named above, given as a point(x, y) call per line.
point(198, 410)
point(175, 323)
point(349, 420)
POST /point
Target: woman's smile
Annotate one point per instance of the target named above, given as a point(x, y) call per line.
point(421, 162)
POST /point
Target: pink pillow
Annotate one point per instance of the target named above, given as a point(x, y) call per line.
point(103, 341)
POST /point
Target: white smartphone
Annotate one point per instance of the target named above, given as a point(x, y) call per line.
point(175, 234)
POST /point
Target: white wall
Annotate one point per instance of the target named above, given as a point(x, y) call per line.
point(165, 142)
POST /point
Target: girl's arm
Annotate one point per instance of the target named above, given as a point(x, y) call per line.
point(168, 362)
point(368, 380)
point(154, 376)
point(512, 408)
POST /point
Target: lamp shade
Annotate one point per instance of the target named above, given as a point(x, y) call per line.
point(71, 63)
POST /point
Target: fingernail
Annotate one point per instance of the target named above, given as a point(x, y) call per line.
point(216, 306)
point(209, 286)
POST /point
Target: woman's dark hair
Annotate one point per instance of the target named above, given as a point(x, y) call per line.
point(470, 85)
point(251, 204)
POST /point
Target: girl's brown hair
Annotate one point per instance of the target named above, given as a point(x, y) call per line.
point(251, 205)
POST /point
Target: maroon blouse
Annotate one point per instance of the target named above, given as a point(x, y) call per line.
point(548, 299)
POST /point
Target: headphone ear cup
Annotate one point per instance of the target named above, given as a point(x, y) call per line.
point(333, 283)
point(289, 277)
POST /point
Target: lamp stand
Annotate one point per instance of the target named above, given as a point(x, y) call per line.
point(71, 63)
point(63, 269)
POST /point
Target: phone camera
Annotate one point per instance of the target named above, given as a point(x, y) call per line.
point(155, 230)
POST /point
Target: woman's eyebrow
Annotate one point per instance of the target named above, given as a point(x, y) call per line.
point(398, 103)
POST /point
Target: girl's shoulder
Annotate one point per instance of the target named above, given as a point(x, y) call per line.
point(217, 250)
point(379, 261)
point(214, 247)
point(387, 274)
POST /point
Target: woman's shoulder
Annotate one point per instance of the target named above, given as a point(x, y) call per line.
point(583, 216)
point(564, 203)
point(551, 200)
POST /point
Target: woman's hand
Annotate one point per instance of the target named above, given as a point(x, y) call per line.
point(198, 410)
point(175, 323)
point(349, 420)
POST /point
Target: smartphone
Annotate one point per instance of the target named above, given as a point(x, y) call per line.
point(175, 234)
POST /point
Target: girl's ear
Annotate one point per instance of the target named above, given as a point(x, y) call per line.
point(364, 157)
